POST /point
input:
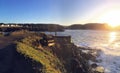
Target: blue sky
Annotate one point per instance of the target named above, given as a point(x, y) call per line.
point(64, 12)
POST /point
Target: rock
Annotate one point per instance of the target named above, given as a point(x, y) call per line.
point(99, 69)
point(94, 65)
point(76, 66)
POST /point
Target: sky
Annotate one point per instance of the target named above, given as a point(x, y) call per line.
point(64, 12)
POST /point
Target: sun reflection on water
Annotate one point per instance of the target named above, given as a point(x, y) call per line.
point(112, 36)
point(113, 45)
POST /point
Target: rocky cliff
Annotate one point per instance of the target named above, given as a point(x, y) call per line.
point(62, 57)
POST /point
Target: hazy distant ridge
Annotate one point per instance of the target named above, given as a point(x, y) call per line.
point(55, 27)
point(93, 26)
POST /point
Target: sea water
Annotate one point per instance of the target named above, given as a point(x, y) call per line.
point(107, 41)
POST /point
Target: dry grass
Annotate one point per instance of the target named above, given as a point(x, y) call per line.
point(50, 62)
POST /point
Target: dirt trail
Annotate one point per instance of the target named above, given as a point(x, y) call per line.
point(6, 53)
point(5, 41)
point(6, 58)
point(10, 60)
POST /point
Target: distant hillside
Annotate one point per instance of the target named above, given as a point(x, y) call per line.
point(55, 27)
point(31, 27)
point(94, 26)
point(75, 26)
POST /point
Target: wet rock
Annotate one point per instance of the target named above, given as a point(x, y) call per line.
point(76, 67)
point(99, 69)
point(94, 65)
point(99, 61)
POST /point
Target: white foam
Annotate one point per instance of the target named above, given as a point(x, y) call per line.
point(110, 60)
point(110, 56)
point(107, 41)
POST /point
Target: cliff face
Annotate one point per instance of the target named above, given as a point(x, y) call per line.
point(73, 58)
point(63, 57)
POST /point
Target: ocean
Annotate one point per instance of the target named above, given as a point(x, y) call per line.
point(107, 41)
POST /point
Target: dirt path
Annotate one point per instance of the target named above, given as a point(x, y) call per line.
point(5, 41)
point(10, 60)
point(6, 58)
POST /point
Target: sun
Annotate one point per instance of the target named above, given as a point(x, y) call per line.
point(112, 17)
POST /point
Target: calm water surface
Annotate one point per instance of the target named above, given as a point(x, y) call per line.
point(107, 41)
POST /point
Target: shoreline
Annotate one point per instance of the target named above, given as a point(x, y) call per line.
point(73, 58)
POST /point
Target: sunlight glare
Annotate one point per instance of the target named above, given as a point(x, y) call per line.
point(111, 17)
point(112, 36)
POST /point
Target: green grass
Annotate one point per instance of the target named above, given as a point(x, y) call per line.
point(50, 62)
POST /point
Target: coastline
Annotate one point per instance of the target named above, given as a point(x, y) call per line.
point(72, 58)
